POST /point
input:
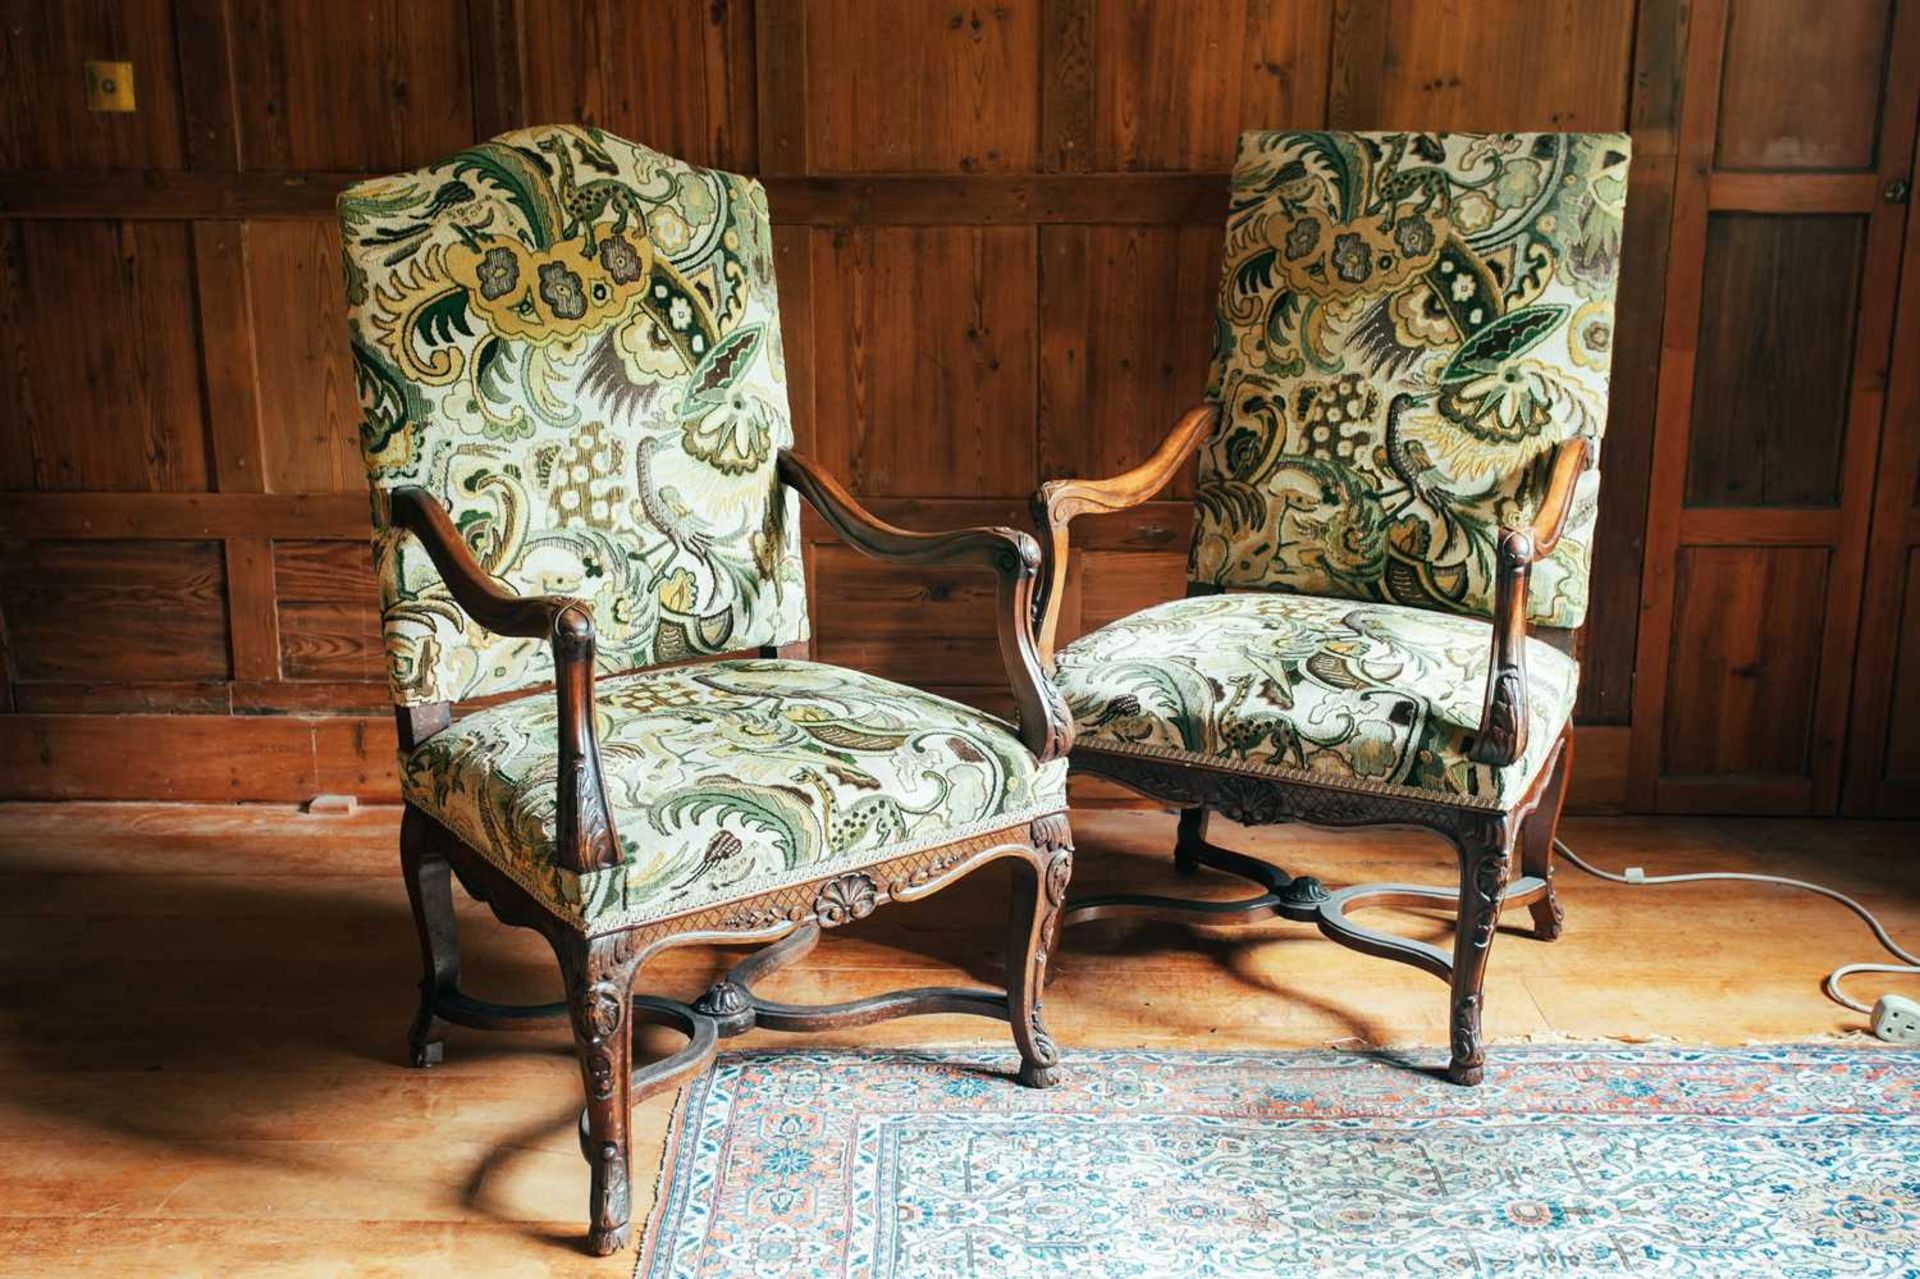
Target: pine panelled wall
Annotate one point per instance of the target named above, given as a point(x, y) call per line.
point(998, 240)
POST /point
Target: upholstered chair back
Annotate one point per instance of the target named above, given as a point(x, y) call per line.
point(573, 342)
point(1408, 324)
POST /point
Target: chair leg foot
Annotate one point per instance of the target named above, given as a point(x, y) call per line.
point(611, 1202)
point(604, 1243)
point(1549, 921)
point(425, 1046)
point(1039, 888)
point(1034, 1075)
point(1466, 1076)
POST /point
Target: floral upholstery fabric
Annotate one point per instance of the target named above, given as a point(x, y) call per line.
point(1408, 324)
point(573, 342)
point(1357, 696)
point(729, 779)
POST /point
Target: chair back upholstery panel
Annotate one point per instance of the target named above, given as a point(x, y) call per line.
point(573, 342)
point(1408, 324)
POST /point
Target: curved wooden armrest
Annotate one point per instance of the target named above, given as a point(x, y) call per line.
point(1059, 501)
point(1503, 717)
point(1011, 555)
point(478, 595)
point(584, 840)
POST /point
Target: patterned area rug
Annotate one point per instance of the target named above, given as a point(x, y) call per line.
point(1797, 1161)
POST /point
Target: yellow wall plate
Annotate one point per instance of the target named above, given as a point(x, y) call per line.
point(109, 86)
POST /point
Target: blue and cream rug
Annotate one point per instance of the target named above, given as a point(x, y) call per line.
point(1797, 1161)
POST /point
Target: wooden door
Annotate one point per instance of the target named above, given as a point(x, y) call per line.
point(1783, 268)
point(1883, 747)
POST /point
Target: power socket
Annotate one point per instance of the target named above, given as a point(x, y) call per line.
point(1896, 1019)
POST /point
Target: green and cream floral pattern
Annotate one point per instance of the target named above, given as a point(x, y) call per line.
point(1408, 324)
point(729, 779)
point(573, 342)
point(1333, 692)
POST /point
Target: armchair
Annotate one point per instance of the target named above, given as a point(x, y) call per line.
point(568, 358)
point(1392, 529)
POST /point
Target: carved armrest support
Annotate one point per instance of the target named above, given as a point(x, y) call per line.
point(585, 838)
point(1502, 738)
point(1010, 555)
point(1059, 501)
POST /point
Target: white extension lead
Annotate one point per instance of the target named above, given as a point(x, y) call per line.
point(1894, 1017)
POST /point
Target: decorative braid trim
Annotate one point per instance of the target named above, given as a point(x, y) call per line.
point(1303, 776)
point(536, 880)
point(999, 823)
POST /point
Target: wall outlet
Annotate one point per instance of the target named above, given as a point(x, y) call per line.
point(109, 86)
point(1896, 1019)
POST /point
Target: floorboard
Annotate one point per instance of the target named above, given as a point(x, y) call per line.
point(202, 1011)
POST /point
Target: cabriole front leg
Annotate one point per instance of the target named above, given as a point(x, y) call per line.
point(1486, 859)
point(599, 976)
point(1039, 889)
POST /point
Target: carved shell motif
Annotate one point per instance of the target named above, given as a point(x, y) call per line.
point(599, 1010)
point(846, 898)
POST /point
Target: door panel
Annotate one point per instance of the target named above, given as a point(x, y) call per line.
point(1784, 259)
point(1775, 359)
point(1799, 94)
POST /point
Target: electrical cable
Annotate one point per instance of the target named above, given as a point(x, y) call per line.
point(1831, 985)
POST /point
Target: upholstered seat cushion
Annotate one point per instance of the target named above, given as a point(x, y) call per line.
point(1368, 697)
point(730, 779)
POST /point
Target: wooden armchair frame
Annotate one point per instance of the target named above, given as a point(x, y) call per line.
point(1485, 840)
point(599, 971)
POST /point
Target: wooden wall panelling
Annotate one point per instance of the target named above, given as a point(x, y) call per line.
point(1066, 86)
point(1680, 329)
point(229, 348)
point(1173, 86)
point(307, 404)
point(921, 88)
point(923, 382)
point(8, 701)
point(329, 612)
point(374, 86)
point(1115, 584)
point(1747, 251)
point(184, 515)
point(920, 626)
point(102, 388)
point(678, 77)
point(1126, 329)
point(44, 121)
point(496, 41)
point(241, 758)
point(253, 618)
point(936, 171)
point(1491, 66)
point(1608, 640)
point(109, 611)
point(781, 86)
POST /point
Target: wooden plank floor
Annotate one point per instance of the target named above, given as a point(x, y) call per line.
point(202, 1010)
